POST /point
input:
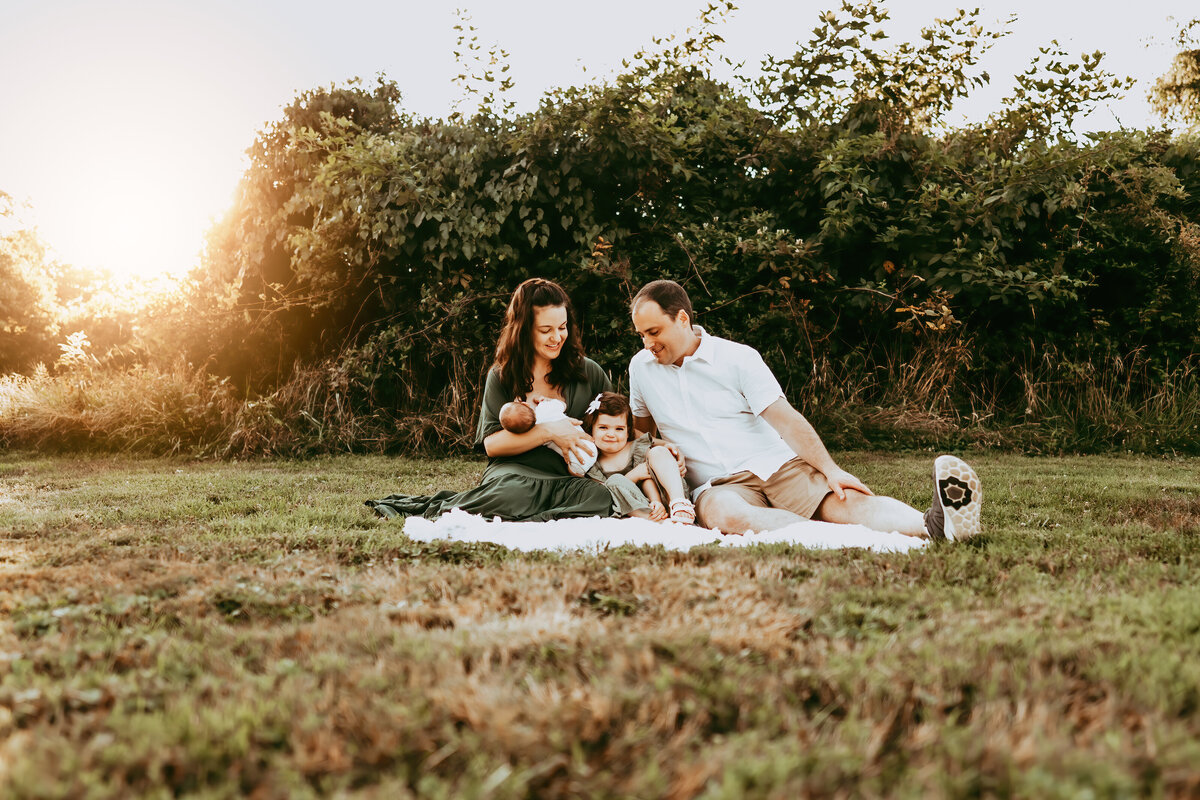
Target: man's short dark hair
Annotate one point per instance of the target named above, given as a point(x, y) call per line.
point(670, 296)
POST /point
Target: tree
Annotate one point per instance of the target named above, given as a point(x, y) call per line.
point(27, 295)
point(1176, 95)
point(826, 213)
point(267, 296)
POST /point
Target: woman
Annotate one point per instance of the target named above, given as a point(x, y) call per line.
point(539, 353)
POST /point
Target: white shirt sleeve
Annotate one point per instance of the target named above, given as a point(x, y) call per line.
point(756, 381)
point(636, 401)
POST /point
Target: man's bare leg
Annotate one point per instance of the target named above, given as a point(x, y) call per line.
point(955, 514)
point(732, 514)
point(872, 511)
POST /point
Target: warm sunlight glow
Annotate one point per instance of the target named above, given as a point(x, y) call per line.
point(134, 199)
point(126, 216)
point(140, 147)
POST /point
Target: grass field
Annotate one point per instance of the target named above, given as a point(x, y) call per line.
point(211, 630)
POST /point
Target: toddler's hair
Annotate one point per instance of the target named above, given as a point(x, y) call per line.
point(614, 405)
point(517, 417)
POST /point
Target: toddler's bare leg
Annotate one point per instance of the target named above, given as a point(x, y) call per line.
point(665, 470)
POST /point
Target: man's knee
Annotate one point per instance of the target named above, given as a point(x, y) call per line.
point(724, 510)
point(848, 509)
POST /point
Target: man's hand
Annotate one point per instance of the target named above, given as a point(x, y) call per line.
point(569, 437)
point(839, 481)
point(673, 449)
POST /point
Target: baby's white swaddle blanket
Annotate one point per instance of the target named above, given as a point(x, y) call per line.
point(551, 410)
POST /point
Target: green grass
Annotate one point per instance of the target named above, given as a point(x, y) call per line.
point(173, 628)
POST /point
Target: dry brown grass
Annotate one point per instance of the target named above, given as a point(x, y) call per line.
point(293, 648)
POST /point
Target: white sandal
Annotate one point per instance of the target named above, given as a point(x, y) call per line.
point(683, 511)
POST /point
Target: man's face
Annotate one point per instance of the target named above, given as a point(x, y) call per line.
point(668, 338)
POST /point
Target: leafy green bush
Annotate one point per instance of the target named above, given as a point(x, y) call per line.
point(825, 214)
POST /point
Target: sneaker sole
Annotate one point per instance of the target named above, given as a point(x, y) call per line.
point(961, 496)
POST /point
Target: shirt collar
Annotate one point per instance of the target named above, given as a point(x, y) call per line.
point(707, 350)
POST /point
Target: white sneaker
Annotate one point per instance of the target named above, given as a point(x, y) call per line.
point(957, 500)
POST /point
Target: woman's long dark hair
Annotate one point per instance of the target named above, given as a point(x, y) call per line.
point(514, 349)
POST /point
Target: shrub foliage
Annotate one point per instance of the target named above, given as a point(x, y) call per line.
point(825, 213)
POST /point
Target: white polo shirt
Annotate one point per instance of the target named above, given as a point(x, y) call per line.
point(710, 407)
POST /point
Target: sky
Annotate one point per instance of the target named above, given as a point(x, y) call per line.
point(124, 124)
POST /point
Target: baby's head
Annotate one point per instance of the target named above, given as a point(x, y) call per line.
point(517, 417)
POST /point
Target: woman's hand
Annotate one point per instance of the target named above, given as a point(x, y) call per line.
point(569, 437)
point(657, 511)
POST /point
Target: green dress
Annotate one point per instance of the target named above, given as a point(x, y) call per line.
point(532, 486)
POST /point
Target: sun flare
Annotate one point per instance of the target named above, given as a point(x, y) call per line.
point(150, 149)
point(128, 217)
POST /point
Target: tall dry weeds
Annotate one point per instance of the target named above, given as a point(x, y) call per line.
point(1122, 403)
point(183, 410)
point(179, 409)
point(924, 397)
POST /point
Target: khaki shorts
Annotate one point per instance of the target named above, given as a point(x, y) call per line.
point(796, 487)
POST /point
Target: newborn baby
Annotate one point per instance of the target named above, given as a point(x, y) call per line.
point(520, 416)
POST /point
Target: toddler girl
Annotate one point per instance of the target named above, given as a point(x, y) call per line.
point(624, 465)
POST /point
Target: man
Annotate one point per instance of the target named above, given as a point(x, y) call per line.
point(757, 463)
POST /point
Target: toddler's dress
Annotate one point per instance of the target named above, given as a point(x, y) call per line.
point(626, 495)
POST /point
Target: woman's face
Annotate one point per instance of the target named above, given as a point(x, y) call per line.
point(610, 433)
point(549, 331)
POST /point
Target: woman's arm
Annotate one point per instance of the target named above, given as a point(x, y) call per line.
point(565, 433)
point(507, 443)
point(493, 440)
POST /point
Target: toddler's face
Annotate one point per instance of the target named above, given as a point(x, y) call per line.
point(610, 433)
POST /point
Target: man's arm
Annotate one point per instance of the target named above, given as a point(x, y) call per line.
point(644, 425)
point(804, 441)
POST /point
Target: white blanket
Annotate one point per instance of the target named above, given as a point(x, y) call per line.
point(595, 534)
